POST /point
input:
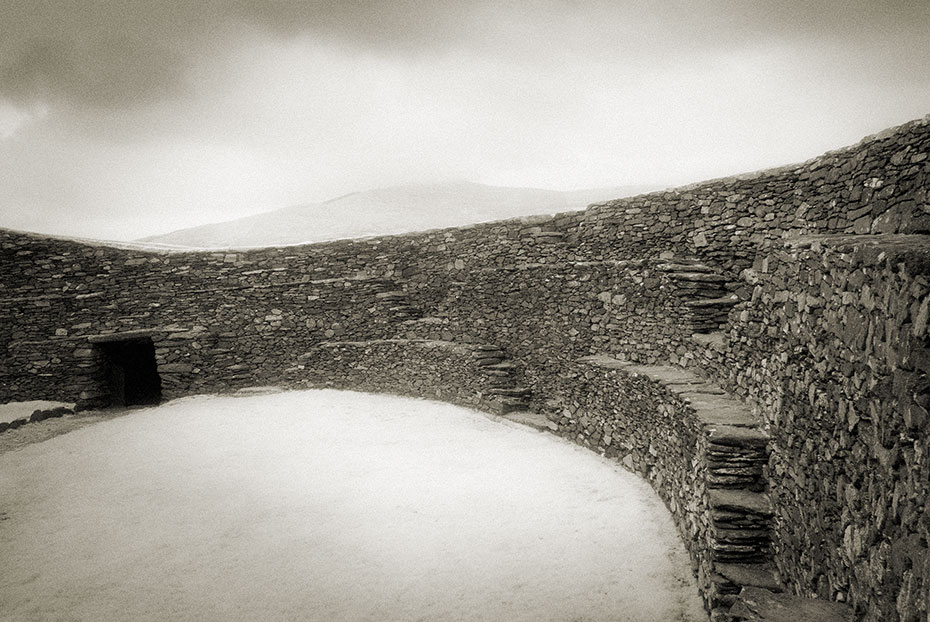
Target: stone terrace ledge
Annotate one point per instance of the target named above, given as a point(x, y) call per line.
point(744, 584)
point(733, 450)
point(713, 406)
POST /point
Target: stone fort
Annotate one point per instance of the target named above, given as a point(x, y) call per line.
point(755, 347)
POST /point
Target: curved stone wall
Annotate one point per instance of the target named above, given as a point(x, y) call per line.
point(824, 340)
point(832, 347)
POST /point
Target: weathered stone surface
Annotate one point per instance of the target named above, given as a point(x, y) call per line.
point(534, 420)
point(750, 575)
point(739, 501)
point(737, 437)
point(759, 605)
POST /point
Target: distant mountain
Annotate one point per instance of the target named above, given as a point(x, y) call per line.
point(397, 209)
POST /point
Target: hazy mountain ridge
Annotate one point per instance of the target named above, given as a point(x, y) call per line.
point(397, 209)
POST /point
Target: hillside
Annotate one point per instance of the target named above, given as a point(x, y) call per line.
point(396, 209)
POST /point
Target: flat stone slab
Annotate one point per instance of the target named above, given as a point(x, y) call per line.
point(712, 404)
point(715, 339)
point(720, 409)
point(666, 374)
point(249, 391)
point(125, 335)
point(727, 301)
point(737, 437)
point(740, 501)
point(749, 575)
point(607, 362)
point(755, 604)
point(534, 420)
point(696, 386)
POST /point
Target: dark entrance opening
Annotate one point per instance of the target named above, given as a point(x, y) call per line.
point(131, 373)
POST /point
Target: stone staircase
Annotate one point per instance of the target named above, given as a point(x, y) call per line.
point(739, 513)
point(744, 583)
point(400, 308)
point(505, 395)
point(542, 235)
point(704, 291)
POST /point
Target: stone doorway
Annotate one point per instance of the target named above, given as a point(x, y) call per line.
point(131, 374)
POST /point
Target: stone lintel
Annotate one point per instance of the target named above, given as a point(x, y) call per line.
point(122, 336)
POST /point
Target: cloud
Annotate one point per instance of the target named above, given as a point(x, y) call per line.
point(101, 54)
point(107, 54)
point(110, 72)
point(127, 117)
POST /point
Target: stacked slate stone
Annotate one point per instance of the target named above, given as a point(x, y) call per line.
point(736, 458)
point(504, 396)
point(476, 375)
point(400, 308)
point(833, 343)
point(704, 291)
point(741, 526)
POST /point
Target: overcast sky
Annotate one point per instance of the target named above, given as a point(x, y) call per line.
point(126, 118)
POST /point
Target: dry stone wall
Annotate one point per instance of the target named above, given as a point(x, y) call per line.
point(477, 375)
point(832, 347)
point(826, 340)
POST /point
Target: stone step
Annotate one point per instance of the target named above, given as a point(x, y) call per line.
point(755, 604)
point(487, 362)
point(734, 453)
point(740, 502)
point(739, 553)
point(701, 293)
point(504, 366)
point(737, 470)
point(753, 575)
point(732, 482)
point(736, 464)
point(704, 277)
point(732, 436)
point(509, 392)
point(534, 420)
point(499, 373)
point(500, 382)
point(506, 405)
point(725, 519)
point(741, 536)
point(680, 266)
point(720, 410)
point(712, 303)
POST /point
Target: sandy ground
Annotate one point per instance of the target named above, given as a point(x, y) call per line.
point(327, 505)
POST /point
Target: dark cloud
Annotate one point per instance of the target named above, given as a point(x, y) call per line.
point(109, 53)
point(114, 71)
point(100, 53)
